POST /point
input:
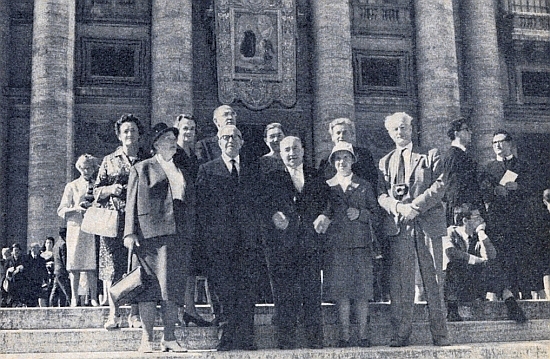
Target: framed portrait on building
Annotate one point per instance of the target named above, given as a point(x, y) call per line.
point(256, 52)
point(256, 44)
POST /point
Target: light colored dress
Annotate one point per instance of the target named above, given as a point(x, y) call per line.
point(81, 251)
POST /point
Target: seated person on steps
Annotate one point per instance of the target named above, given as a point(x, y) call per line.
point(471, 265)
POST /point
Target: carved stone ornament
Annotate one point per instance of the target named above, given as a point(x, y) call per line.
point(256, 52)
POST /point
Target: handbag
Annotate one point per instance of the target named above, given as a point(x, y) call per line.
point(100, 221)
point(132, 284)
point(6, 285)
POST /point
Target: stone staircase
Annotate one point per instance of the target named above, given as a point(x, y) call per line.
point(78, 333)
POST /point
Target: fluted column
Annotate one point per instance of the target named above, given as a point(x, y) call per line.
point(481, 62)
point(4, 82)
point(172, 60)
point(333, 89)
point(437, 70)
point(51, 123)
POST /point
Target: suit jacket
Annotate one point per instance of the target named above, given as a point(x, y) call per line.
point(226, 209)
point(208, 149)
point(461, 179)
point(149, 203)
point(301, 208)
point(342, 232)
point(511, 213)
point(188, 164)
point(458, 248)
point(426, 189)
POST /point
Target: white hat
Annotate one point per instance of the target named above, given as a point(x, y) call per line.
point(342, 146)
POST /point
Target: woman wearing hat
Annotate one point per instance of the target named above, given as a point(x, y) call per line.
point(159, 227)
point(110, 192)
point(350, 243)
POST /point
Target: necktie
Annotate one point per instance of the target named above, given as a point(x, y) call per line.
point(400, 178)
point(234, 172)
point(296, 180)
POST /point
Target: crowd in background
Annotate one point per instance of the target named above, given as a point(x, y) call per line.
point(414, 227)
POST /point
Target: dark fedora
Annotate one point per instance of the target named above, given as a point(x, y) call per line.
point(160, 129)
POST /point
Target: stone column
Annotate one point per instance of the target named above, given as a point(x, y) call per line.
point(437, 70)
point(482, 78)
point(4, 113)
point(171, 60)
point(333, 89)
point(51, 157)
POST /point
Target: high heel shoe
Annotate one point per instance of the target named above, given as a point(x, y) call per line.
point(198, 321)
point(113, 322)
point(134, 321)
point(172, 345)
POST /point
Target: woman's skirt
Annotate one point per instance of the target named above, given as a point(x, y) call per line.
point(348, 274)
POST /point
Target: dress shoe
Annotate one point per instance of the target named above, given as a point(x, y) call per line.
point(224, 346)
point(197, 320)
point(248, 347)
point(113, 322)
point(515, 313)
point(453, 316)
point(134, 321)
point(441, 342)
point(145, 347)
point(94, 303)
point(172, 345)
point(364, 343)
point(399, 342)
point(315, 345)
point(343, 343)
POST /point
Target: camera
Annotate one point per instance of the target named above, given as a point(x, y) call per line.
point(400, 190)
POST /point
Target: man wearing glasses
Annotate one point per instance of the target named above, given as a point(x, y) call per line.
point(460, 171)
point(506, 187)
point(226, 213)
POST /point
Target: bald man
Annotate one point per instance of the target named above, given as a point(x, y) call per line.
point(295, 202)
point(208, 149)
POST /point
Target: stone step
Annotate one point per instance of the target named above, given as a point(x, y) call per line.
point(100, 340)
point(514, 350)
point(90, 317)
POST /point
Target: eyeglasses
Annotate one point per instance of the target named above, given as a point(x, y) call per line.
point(228, 137)
point(500, 141)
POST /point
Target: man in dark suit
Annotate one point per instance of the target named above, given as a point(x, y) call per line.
point(61, 291)
point(226, 217)
point(208, 148)
point(508, 214)
point(295, 202)
point(460, 171)
point(410, 191)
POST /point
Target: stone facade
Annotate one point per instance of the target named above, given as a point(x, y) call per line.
point(73, 67)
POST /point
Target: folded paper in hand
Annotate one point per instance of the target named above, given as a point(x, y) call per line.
point(508, 176)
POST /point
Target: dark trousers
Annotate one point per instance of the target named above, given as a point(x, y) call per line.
point(232, 283)
point(296, 276)
point(61, 291)
point(465, 282)
point(409, 246)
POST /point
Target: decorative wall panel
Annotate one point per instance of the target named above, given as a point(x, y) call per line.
point(256, 52)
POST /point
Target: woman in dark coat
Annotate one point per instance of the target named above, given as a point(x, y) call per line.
point(159, 227)
point(350, 243)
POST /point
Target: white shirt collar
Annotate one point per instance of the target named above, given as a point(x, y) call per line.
point(500, 159)
point(459, 145)
point(409, 147)
point(227, 160)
